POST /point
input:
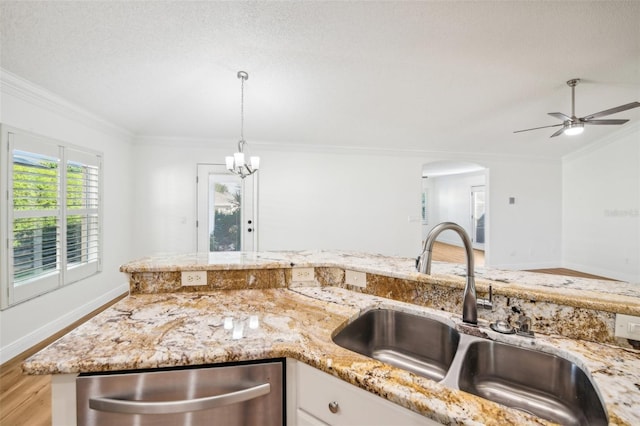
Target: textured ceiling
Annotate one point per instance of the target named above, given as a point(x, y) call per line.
point(431, 76)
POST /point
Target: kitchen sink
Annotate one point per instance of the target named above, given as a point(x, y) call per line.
point(543, 384)
point(421, 345)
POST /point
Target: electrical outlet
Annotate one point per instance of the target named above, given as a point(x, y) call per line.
point(628, 326)
point(189, 278)
point(302, 274)
point(358, 279)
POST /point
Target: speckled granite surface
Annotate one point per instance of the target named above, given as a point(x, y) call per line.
point(595, 294)
point(177, 329)
point(572, 307)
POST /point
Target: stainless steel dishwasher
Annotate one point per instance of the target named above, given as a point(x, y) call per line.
point(238, 394)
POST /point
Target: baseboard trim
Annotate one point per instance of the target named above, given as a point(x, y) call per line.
point(26, 342)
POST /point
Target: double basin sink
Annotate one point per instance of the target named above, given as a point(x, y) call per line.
point(542, 384)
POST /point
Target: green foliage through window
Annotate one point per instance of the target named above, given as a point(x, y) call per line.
point(226, 228)
point(36, 190)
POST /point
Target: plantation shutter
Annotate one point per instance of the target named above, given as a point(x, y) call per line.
point(82, 214)
point(34, 239)
point(54, 215)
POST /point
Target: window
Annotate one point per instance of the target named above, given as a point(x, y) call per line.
point(53, 217)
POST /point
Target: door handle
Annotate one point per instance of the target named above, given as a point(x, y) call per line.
point(116, 405)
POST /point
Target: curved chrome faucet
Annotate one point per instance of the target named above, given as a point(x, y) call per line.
point(469, 302)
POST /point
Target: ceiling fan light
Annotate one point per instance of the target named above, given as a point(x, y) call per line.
point(574, 129)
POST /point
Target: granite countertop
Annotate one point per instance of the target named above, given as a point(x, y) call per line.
point(606, 295)
point(178, 329)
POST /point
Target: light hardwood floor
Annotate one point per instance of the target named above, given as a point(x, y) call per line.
point(449, 253)
point(569, 273)
point(26, 400)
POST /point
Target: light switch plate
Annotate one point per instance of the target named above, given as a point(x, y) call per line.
point(302, 274)
point(192, 278)
point(628, 326)
point(358, 279)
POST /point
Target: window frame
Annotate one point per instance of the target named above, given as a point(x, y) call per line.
point(64, 273)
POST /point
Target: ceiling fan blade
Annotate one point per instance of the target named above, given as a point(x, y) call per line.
point(560, 116)
point(614, 121)
point(536, 128)
point(612, 111)
point(558, 133)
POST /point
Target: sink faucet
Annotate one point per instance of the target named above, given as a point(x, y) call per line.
point(469, 307)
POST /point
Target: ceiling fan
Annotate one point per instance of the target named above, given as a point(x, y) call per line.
point(572, 125)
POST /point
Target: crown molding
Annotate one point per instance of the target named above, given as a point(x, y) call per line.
point(625, 131)
point(256, 147)
point(186, 142)
point(14, 85)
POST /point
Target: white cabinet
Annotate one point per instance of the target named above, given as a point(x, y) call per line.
point(306, 419)
point(319, 394)
point(63, 399)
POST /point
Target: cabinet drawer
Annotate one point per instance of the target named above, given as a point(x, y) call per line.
point(306, 419)
point(316, 390)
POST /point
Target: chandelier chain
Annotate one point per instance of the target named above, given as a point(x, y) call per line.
point(242, 108)
point(238, 164)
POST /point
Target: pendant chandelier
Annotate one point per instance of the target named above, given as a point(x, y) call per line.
point(237, 164)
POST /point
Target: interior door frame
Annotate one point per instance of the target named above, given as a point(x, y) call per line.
point(248, 209)
point(473, 190)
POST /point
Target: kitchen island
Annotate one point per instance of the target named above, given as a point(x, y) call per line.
point(291, 315)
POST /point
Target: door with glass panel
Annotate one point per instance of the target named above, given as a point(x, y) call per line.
point(226, 209)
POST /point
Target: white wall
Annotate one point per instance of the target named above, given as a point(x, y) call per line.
point(29, 107)
point(164, 204)
point(523, 235)
point(347, 201)
point(601, 207)
point(339, 199)
point(527, 234)
point(308, 200)
point(450, 202)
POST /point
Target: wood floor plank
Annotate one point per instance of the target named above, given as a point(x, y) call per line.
point(444, 252)
point(29, 400)
point(569, 273)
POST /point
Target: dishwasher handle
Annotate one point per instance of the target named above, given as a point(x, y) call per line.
point(182, 406)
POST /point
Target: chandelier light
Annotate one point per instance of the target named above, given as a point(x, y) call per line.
point(237, 164)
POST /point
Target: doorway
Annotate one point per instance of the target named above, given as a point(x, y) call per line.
point(226, 210)
point(457, 192)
